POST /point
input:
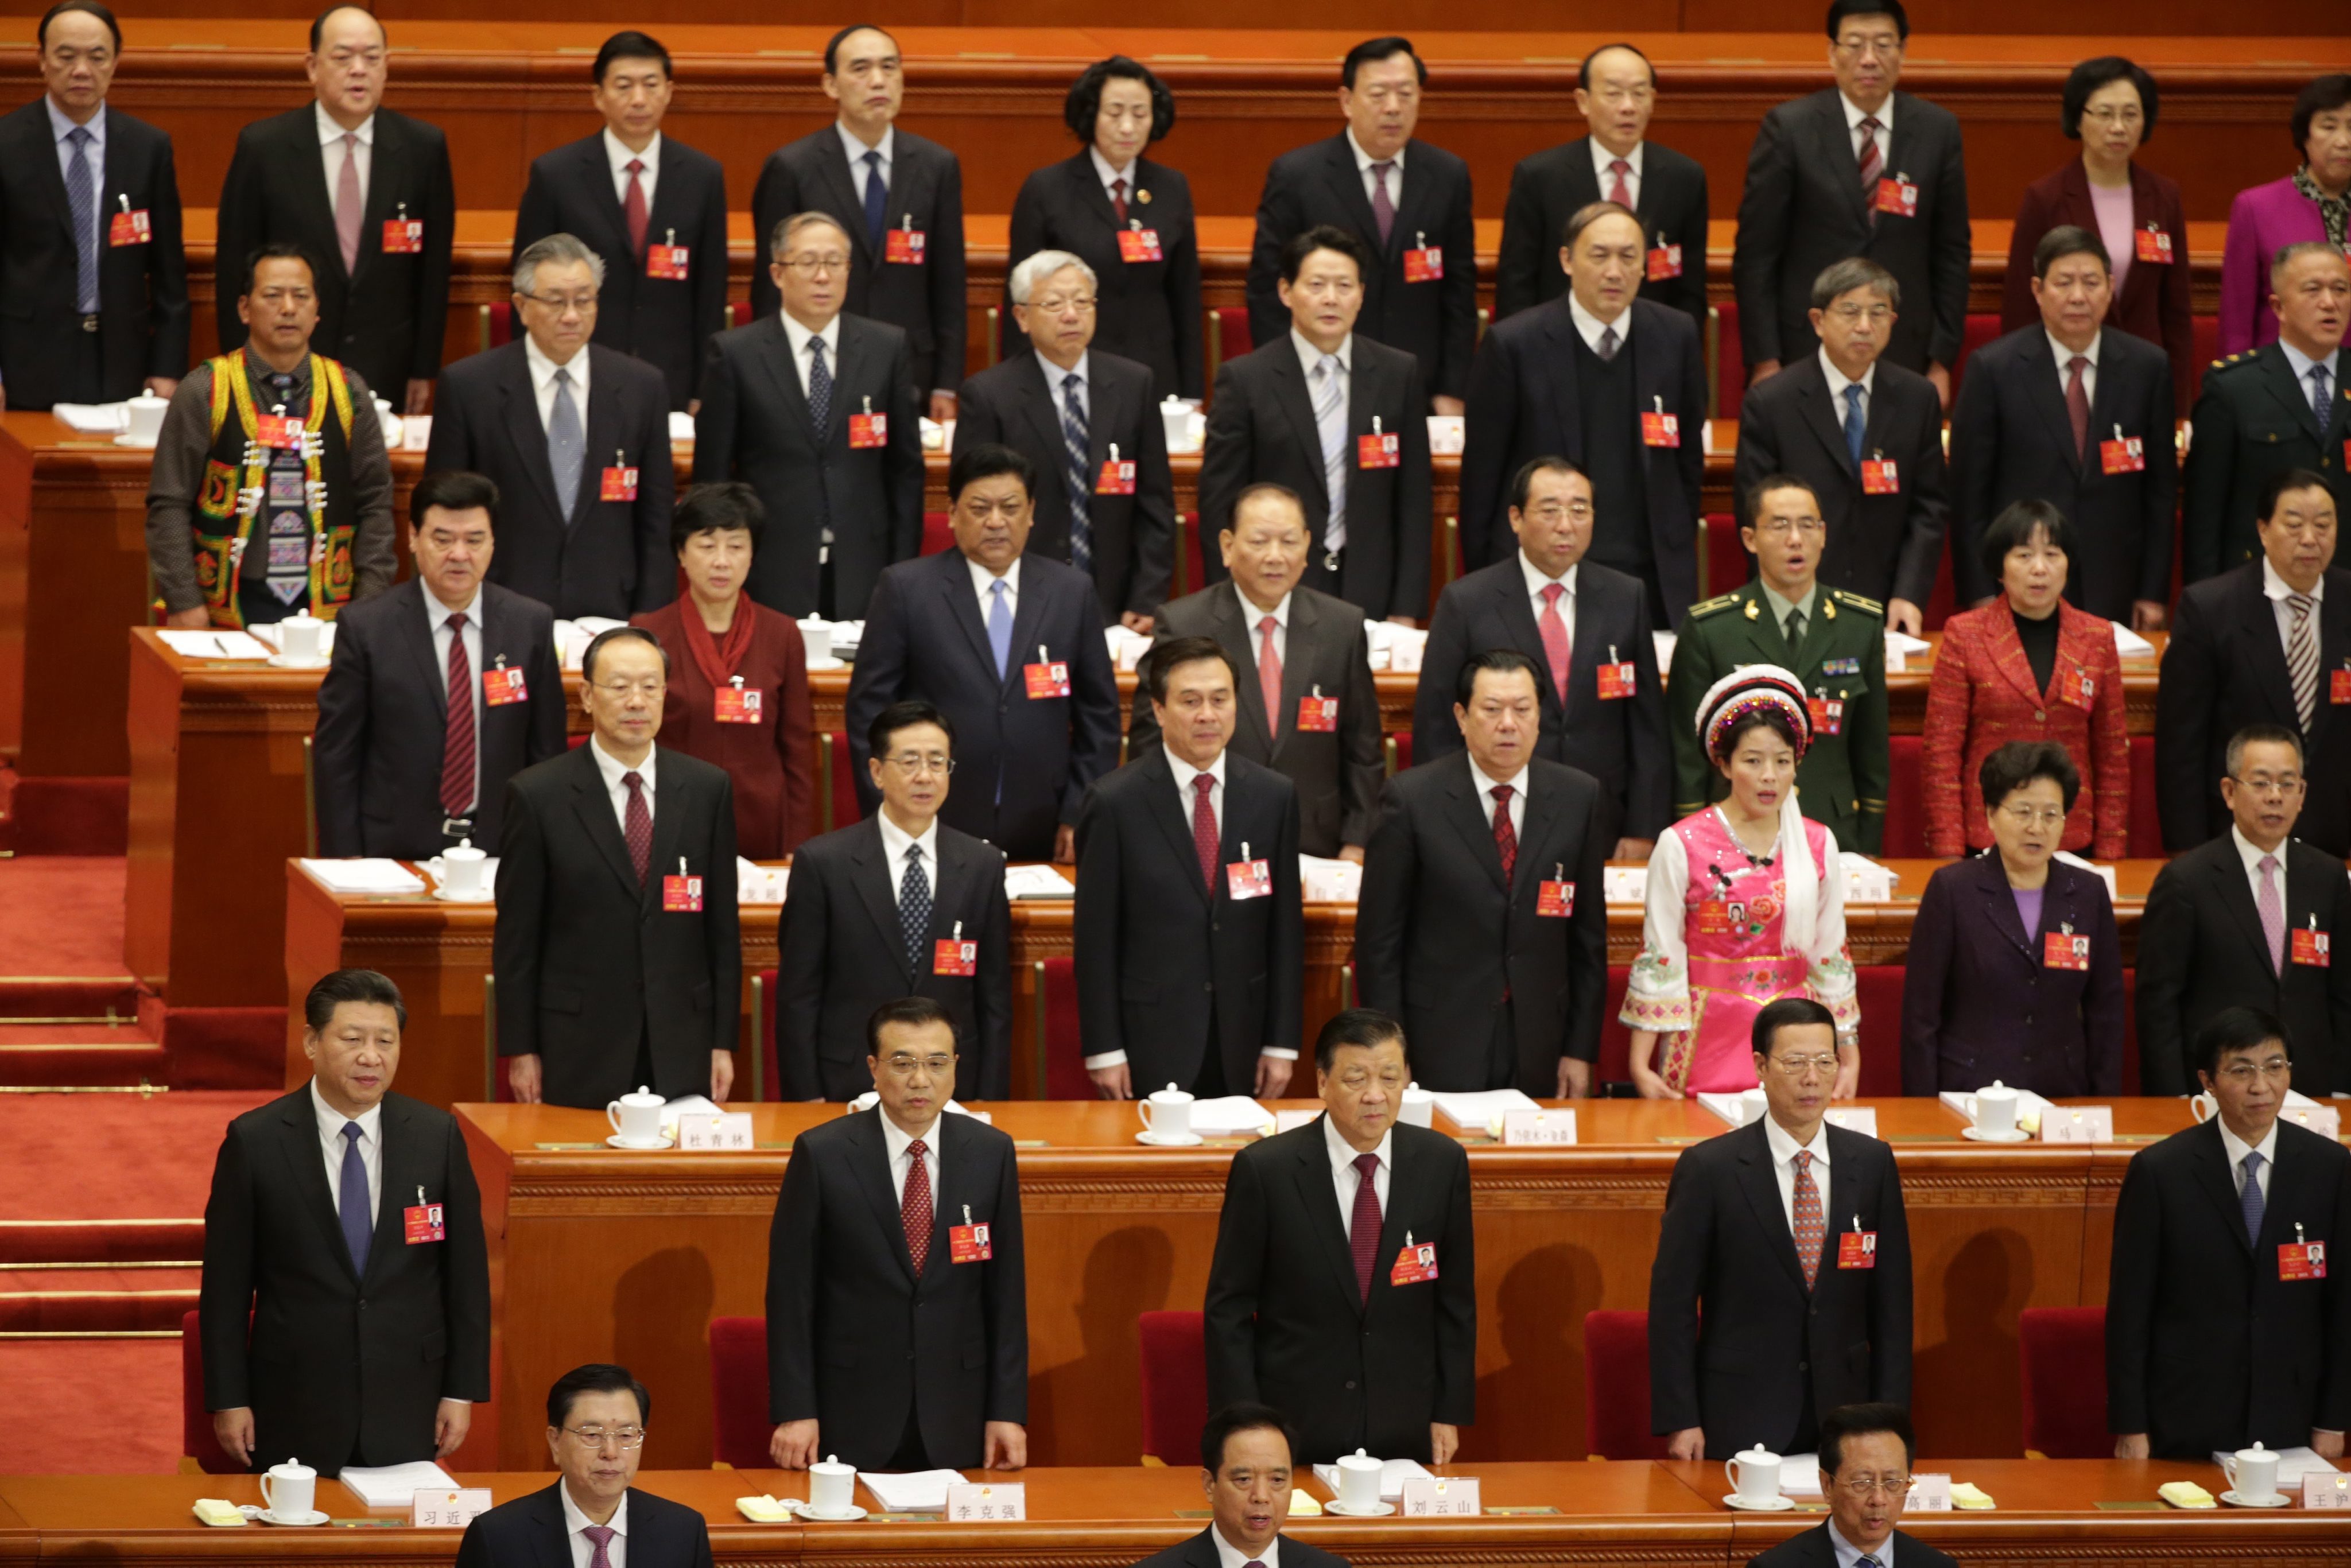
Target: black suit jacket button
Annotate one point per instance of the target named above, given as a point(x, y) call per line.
point(1806, 1365)
point(1351, 1383)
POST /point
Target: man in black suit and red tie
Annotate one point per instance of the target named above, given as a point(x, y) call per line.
point(652, 207)
point(1246, 1467)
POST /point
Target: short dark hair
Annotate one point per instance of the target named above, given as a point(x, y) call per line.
point(1584, 67)
point(913, 1013)
point(1169, 651)
point(2236, 1028)
point(1770, 482)
point(986, 460)
point(1522, 483)
point(319, 22)
point(2011, 766)
point(277, 250)
point(629, 45)
point(41, 33)
point(2013, 530)
point(597, 644)
point(2284, 483)
point(2323, 93)
point(2259, 735)
point(2092, 75)
point(596, 1377)
point(833, 45)
point(1083, 106)
point(1501, 660)
point(1591, 212)
point(452, 490)
point(332, 990)
point(1763, 715)
point(1242, 1417)
point(1324, 236)
point(905, 715)
point(2069, 239)
point(723, 505)
point(1862, 1421)
point(1788, 1013)
point(1372, 51)
point(1842, 11)
point(1365, 1026)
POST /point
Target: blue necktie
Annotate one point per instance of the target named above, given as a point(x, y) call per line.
point(2251, 1199)
point(877, 199)
point(1855, 423)
point(820, 388)
point(81, 197)
point(999, 626)
point(914, 908)
point(567, 443)
point(359, 1230)
point(1077, 453)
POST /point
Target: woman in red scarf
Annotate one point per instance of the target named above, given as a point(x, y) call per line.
point(738, 691)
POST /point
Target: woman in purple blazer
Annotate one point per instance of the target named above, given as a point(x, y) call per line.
point(2312, 203)
point(2015, 971)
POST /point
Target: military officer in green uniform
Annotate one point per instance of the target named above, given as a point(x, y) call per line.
point(2283, 405)
point(1834, 641)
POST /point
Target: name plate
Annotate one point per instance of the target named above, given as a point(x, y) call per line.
point(2323, 1120)
point(1284, 1121)
point(438, 1509)
point(727, 1130)
point(1537, 1129)
point(986, 1502)
point(1446, 1496)
point(2325, 1489)
point(2078, 1125)
point(1862, 1119)
point(1929, 1494)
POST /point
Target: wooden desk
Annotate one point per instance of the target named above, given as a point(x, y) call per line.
point(598, 1255)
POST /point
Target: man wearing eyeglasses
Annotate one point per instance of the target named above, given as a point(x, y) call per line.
point(2225, 1325)
point(898, 905)
point(1865, 1474)
point(592, 1517)
point(1755, 1329)
point(2249, 920)
point(576, 436)
point(1834, 641)
point(897, 1303)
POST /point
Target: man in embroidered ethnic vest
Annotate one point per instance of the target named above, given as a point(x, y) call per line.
point(270, 493)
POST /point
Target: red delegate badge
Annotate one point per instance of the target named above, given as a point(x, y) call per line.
point(669, 261)
point(2302, 1261)
point(1857, 1249)
point(1046, 678)
point(423, 1222)
point(1828, 714)
point(1555, 898)
point(2338, 685)
point(1880, 478)
point(906, 245)
point(2123, 455)
point(1665, 261)
point(404, 236)
point(1317, 714)
point(1139, 244)
point(2079, 689)
point(2151, 246)
point(1660, 429)
point(1616, 678)
point(968, 1243)
point(618, 485)
point(1245, 878)
point(1425, 263)
point(501, 686)
point(737, 703)
point(1722, 917)
point(2310, 945)
point(1897, 196)
point(954, 957)
point(281, 431)
point(1415, 1264)
point(1380, 449)
point(869, 429)
point(2065, 950)
point(127, 228)
point(1117, 476)
point(681, 895)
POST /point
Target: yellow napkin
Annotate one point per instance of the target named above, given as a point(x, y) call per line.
point(1967, 1494)
point(1302, 1502)
point(763, 1509)
point(2185, 1494)
point(215, 1511)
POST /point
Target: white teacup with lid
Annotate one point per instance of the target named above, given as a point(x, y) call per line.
point(636, 1117)
point(1996, 1109)
point(299, 636)
point(461, 871)
point(1419, 1106)
point(2253, 1473)
point(290, 1488)
point(832, 1487)
point(1754, 1475)
point(1359, 1482)
point(1167, 1113)
point(145, 422)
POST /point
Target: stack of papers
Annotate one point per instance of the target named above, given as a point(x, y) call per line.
point(213, 644)
point(1481, 1110)
point(365, 877)
point(1323, 881)
point(2292, 1465)
point(912, 1492)
point(2129, 644)
point(2105, 874)
point(1736, 1108)
point(1625, 884)
point(1394, 1473)
point(1231, 1114)
point(389, 1487)
point(1036, 882)
point(1800, 1475)
point(94, 418)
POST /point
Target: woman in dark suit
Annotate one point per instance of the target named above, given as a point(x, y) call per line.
point(1998, 983)
point(739, 689)
point(1129, 218)
point(2109, 107)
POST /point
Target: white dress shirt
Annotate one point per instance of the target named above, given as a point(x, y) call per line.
point(2065, 357)
point(983, 584)
point(1311, 358)
point(1344, 1177)
point(583, 1551)
point(799, 337)
point(2277, 590)
point(1784, 1149)
point(1602, 158)
point(1364, 162)
point(1848, 1553)
point(437, 615)
point(1231, 1556)
point(1536, 583)
point(2252, 854)
point(1839, 380)
point(1517, 783)
point(896, 841)
point(1056, 378)
point(1853, 115)
point(331, 1145)
point(1251, 616)
point(1106, 173)
point(899, 1144)
point(62, 126)
point(330, 144)
point(855, 151)
point(542, 383)
point(1184, 773)
point(617, 153)
point(614, 771)
point(2237, 1149)
point(1589, 327)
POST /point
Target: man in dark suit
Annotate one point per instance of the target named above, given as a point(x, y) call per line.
point(440, 690)
point(1480, 923)
point(1246, 1469)
point(1777, 1294)
point(1317, 1302)
point(2261, 642)
point(1867, 435)
point(1616, 92)
point(898, 1304)
point(959, 628)
point(653, 209)
point(1615, 384)
point(367, 191)
point(898, 200)
point(1582, 626)
point(1190, 936)
point(596, 1419)
point(1309, 708)
point(2282, 405)
point(2068, 413)
point(1408, 204)
point(1330, 414)
point(1864, 1473)
point(306, 1226)
point(2246, 920)
point(884, 908)
point(2224, 1325)
point(577, 436)
point(812, 407)
point(616, 953)
point(1856, 170)
point(1087, 422)
point(90, 265)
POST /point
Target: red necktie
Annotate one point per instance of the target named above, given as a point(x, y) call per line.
point(633, 205)
point(637, 825)
point(2077, 403)
point(914, 1206)
point(1809, 1225)
point(1506, 838)
point(1268, 675)
point(1363, 1224)
point(1204, 829)
point(1118, 198)
point(1873, 166)
point(457, 741)
point(1618, 192)
point(1553, 628)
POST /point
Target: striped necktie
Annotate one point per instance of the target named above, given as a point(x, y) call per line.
point(1075, 456)
point(2301, 657)
point(1330, 425)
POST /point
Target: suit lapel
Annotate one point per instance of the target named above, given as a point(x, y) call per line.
point(670, 790)
point(1836, 142)
point(869, 1155)
point(963, 608)
point(1560, 329)
point(1347, 179)
point(841, 184)
point(848, 359)
point(307, 1155)
point(870, 872)
point(2278, 377)
point(1092, 196)
point(2333, 653)
point(1026, 614)
point(1819, 410)
point(601, 427)
point(44, 154)
point(1037, 403)
point(1298, 405)
point(1320, 1194)
point(2008, 654)
point(1468, 814)
point(524, 428)
point(415, 629)
point(384, 166)
point(1238, 638)
point(1999, 909)
point(595, 812)
point(2043, 388)
point(1760, 1182)
point(1297, 669)
point(595, 173)
point(1541, 830)
point(2220, 1183)
point(404, 1178)
point(2237, 893)
point(1172, 815)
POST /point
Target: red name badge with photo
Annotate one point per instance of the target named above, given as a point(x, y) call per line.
point(127, 228)
point(869, 429)
point(2310, 948)
point(1661, 430)
point(681, 895)
point(2153, 246)
point(1248, 878)
point(1615, 680)
point(501, 686)
point(1415, 1264)
point(669, 261)
point(738, 704)
point(1046, 678)
point(954, 957)
point(2063, 950)
point(425, 1222)
point(1897, 196)
point(618, 485)
point(404, 236)
point(281, 431)
point(1423, 264)
point(2079, 689)
point(2123, 454)
point(1880, 478)
point(1379, 450)
point(1139, 244)
point(1556, 900)
point(903, 245)
point(969, 1244)
point(1665, 261)
point(2302, 1261)
point(1858, 1249)
point(1828, 714)
point(2338, 685)
point(1317, 714)
point(1116, 478)
point(1722, 917)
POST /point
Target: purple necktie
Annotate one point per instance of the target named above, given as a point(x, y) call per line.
point(2272, 904)
point(1383, 208)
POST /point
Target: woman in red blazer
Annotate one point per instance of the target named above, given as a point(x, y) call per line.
point(2027, 666)
point(738, 691)
point(2109, 107)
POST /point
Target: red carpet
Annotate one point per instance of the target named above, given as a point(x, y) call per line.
point(92, 1407)
point(129, 1156)
point(61, 915)
point(70, 816)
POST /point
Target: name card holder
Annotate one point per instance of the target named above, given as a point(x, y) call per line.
point(434, 1509)
point(2325, 1489)
point(2326, 1121)
point(727, 1131)
point(1538, 1129)
point(1445, 1497)
point(986, 1502)
point(1862, 1119)
point(2078, 1125)
point(1929, 1494)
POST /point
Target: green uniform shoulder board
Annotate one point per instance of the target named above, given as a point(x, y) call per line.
point(1868, 606)
point(1715, 606)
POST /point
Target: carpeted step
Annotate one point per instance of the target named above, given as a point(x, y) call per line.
point(99, 1242)
point(94, 1312)
point(68, 816)
point(102, 1281)
point(56, 1065)
point(68, 999)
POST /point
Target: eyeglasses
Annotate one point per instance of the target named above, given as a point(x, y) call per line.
point(1780, 527)
point(915, 764)
point(619, 689)
point(2287, 785)
point(810, 266)
point(901, 1065)
point(2113, 116)
point(1876, 315)
point(2027, 816)
point(597, 1436)
point(562, 302)
point(1798, 1066)
point(1885, 45)
point(2242, 1074)
point(1054, 305)
point(1862, 1486)
point(1554, 511)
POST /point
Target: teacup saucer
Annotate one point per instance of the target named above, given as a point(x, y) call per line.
point(1781, 1504)
point(2275, 1499)
point(1170, 1140)
point(618, 1142)
point(445, 896)
point(271, 1516)
point(1377, 1511)
point(285, 661)
point(135, 443)
point(850, 1516)
point(2013, 1136)
point(830, 662)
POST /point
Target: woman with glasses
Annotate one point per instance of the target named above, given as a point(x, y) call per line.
point(2027, 666)
point(738, 690)
point(2015, 972)
point(1745, 906)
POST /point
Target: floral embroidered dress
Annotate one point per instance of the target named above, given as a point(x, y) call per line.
point(1714, 950)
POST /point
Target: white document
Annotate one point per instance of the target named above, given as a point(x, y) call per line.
point(269, 636)
point(213, 644)
point(1800, 1475)
point(1127, 646)
point(1483, 1108)
point(2129, 644)
point(2105, 874)
point(1231, 1114)
point(1394, 1473)
point(1901, 648)
point(680, 429)
point(912, 1491)
point(94, 418)
point(572, 637)
point(1323, 881)
point(1036, 882)
point(1447, 434)
point(2292, 1465)
point(388, 1486)
point(365, 877)
point(415, 432)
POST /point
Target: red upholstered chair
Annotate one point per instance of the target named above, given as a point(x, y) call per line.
point(1617, 1387)
point(1228, 338)
point(1879, 991)
point(2204, 347)
point(937, 534)
point(1173, 1373)
point(2062, 1354)
point(197, 1440)
point(739, 313)
point(739, 1428)
point(1905, 819)
point(1062, 1066)
point(498, 324)
point(2145, 828)
point(1726, 557)
point(1979, 329)
point(1943, 598)
point(845, 807)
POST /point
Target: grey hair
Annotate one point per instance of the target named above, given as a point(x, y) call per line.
point(779, 241)
point(1854, 272)
point(555, 248)
point(1034, 269)
point(2287, 255)
point(2259, 735)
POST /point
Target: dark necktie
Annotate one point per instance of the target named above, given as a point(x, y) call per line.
point(1506, 838)
point(877, 202)
point(1383, 207)
point(599, 1542)
point(567, 443)
point(1363, 1224)
point(2301, 657)
point(1618, 191)
point(1609, 343)
point(914, 1206)
point(914, 908)
point(1204, 829)
point(2318, 394)
point(1795, 629)
point(1810, 1224)
point(81, 198)
point(820, 388)
point(1856, 422)
point(1118, 197)
point(1075, 458)
point(634, 207)
point(1873, 166)
point(2251, 1199)
point(351, 1204)
point(457, 740)
point(637, 825)
point(2077, 402)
